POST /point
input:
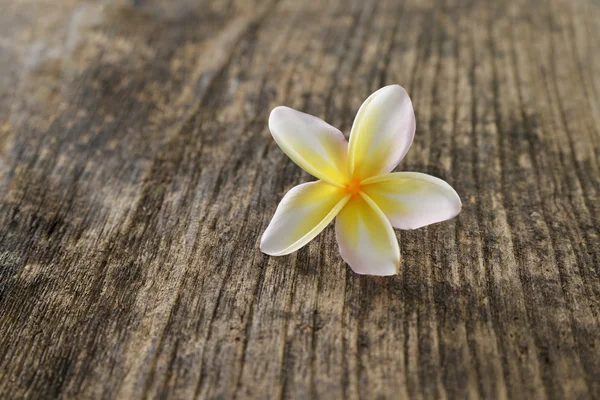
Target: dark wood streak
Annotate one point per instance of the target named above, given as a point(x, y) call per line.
point(137, 175)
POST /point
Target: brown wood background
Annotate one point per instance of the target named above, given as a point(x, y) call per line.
point(137, 174)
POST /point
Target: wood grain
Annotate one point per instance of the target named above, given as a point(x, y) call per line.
point(137, 174)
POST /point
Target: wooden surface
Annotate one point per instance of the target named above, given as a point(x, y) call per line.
point(137, 174)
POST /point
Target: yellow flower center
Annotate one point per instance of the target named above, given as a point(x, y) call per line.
point(353, 187)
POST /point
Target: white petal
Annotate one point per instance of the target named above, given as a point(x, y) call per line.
point(317, 147)
point(411, 200)
point(366, 238)
point(301, 215)
point(382, 132)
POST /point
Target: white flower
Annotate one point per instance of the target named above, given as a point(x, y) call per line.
point(355, 184)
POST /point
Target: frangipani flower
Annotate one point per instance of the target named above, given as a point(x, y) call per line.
point(355, 184)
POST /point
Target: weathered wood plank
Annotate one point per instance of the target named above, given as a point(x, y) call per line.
point(137, 175)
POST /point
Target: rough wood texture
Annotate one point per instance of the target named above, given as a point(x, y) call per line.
point(137, 175)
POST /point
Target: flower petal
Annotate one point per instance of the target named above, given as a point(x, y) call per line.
point(411, 200)
point(382, 132)
point(317, 147)
point(366, 238)
point(301, 215)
